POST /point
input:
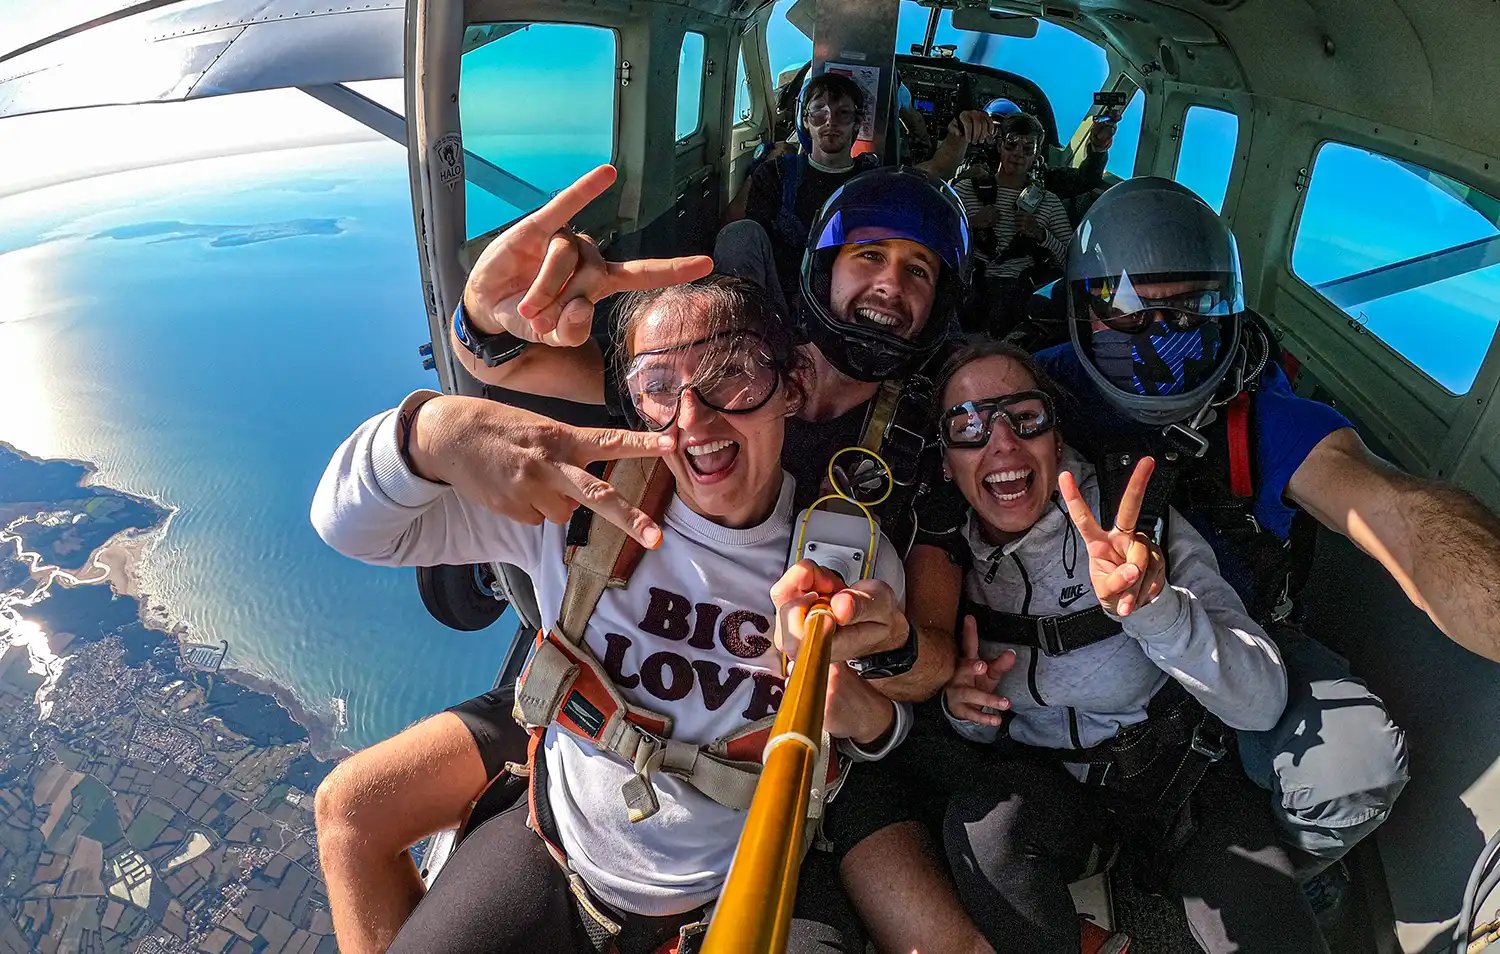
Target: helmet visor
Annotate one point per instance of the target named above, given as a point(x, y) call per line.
point(1183, 302)
point(894, 207)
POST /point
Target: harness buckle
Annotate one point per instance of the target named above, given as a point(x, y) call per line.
point(1187, 438)
point(645, 751)
point(1210, 745)
point(910, 447)
point(1049, 636)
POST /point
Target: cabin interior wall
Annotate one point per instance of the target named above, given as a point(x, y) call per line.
point(746, 133)
point(1442, 695)
point(434, 30)
point(1425, 427)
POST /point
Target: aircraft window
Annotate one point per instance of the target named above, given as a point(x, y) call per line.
point(744, 109)
point(690, 84)
point(1207, 153)
point(1069, 68)
point(533, 121)
point(1127, 138)
point(788, 47)
point(1406, 253)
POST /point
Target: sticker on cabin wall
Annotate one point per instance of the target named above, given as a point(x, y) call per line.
point(868, 78)
point(449, 153)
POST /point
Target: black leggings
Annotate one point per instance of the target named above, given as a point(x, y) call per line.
point(501, 892)
point(1017, 839)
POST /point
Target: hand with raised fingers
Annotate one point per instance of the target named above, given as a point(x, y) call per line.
point(869, 621)
point(539, 280)
point(1126, 569)
point(970, 693)
point(854, 709)
point(527, 467)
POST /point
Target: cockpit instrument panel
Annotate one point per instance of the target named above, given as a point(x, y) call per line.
point(942, 87)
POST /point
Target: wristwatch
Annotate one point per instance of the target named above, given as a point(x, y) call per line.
point(892, 662)
point(493, 350)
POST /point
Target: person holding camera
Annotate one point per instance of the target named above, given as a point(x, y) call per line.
point(1021, 230)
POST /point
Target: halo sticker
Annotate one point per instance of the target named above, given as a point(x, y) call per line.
point(449, 153)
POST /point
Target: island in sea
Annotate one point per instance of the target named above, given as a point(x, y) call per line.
point(151, 799)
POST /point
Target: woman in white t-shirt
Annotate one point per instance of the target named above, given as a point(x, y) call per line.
point(691, 637)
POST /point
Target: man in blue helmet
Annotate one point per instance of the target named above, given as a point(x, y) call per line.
point(1166, 360)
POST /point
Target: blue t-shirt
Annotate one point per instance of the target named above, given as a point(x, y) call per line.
point(1287, 428)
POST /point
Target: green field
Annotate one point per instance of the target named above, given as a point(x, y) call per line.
point(105, 828)
point(148, 824)
point(275, 795)
point(88, 795)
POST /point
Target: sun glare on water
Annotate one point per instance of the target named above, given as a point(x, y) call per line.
point(27, 350)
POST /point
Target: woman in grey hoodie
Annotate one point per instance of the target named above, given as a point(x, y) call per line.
point(1059, 781)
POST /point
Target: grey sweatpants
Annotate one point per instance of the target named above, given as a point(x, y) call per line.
point(1334, 763)
point(743, 249)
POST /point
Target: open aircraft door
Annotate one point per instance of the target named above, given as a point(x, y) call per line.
point(509, 101)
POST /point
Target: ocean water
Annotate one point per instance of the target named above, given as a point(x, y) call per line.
point(206, 333)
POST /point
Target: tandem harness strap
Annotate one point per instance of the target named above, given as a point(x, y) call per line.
point(1050, 635)
point(1158, 764)
point(565, 684)
point(892, 477)
point(1209, 469)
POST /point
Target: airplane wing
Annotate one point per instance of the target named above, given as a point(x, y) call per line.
point(114, 52)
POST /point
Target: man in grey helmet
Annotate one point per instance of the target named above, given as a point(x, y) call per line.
point(1168, 361)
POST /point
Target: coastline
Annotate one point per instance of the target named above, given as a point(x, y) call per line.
point(120, 560)
point(117, 562)
point(321, 737)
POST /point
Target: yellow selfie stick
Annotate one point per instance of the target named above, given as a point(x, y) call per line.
point(754, 913)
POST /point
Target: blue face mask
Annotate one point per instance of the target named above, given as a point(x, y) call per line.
point(1158, 361)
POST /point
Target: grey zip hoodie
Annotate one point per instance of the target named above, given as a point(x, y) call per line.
point(1196, 631)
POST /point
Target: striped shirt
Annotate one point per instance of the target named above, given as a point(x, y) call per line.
point(1051, 214)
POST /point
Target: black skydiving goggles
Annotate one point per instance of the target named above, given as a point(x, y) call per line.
point(730, 372)
point(1028, 413)
point(1120, 308)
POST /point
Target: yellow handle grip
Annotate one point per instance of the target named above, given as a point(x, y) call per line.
point(754, 912)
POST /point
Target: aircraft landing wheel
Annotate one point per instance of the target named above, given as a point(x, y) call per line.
point(461, 597)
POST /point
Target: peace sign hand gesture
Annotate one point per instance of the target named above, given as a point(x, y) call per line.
point(971, 691)
point(540, 280)
point(1127, 570)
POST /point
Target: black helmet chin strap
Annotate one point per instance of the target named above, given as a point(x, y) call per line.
point(1244, 374)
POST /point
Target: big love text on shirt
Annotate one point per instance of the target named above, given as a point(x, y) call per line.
point(670, 676)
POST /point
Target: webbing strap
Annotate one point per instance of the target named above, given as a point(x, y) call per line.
point(880, 415)
point(595, 567)
point(1053, 635)
point(1238, 420)
point(1114, 472)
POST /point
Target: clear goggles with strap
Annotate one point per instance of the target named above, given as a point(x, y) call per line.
point(732, 372)
point(1028, 414)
